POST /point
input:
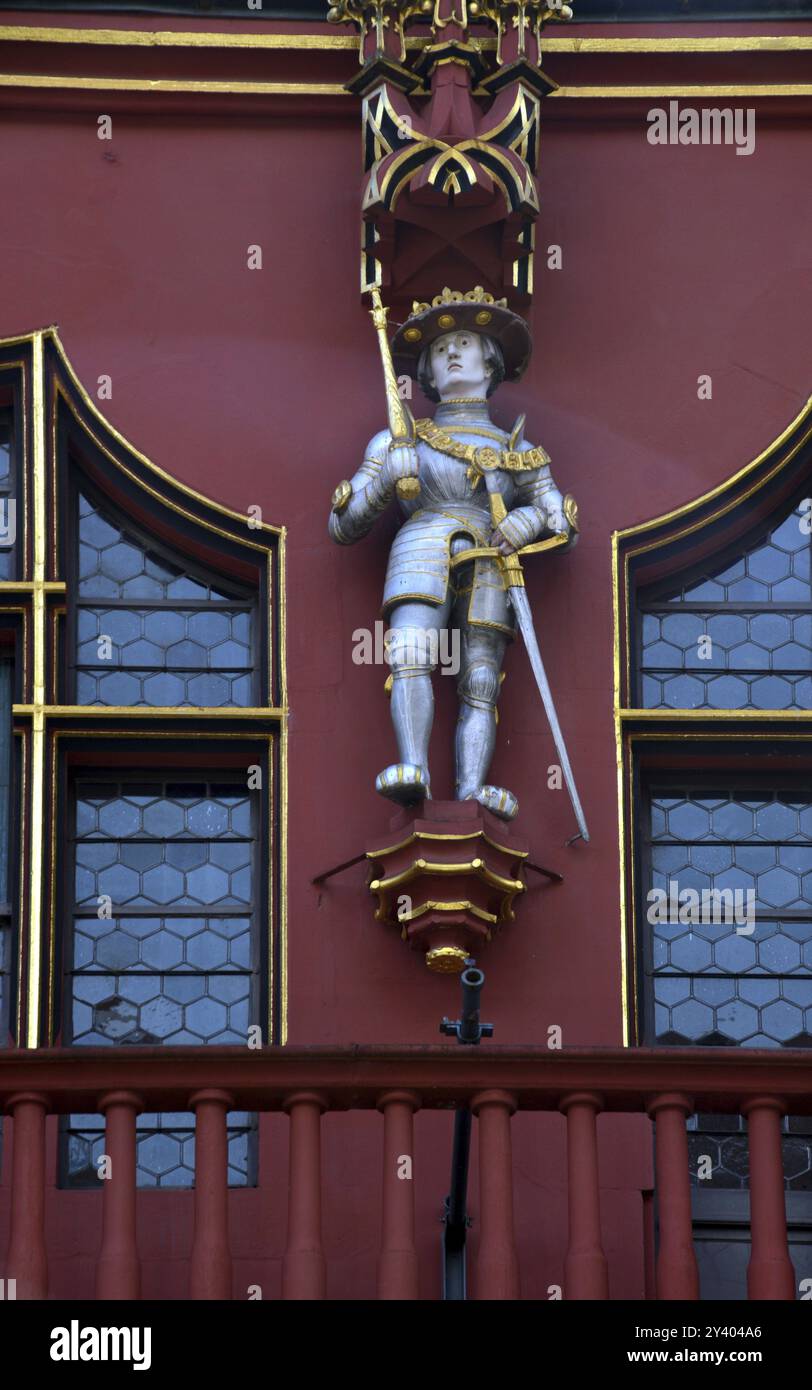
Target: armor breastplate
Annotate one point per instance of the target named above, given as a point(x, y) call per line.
point(449, 505)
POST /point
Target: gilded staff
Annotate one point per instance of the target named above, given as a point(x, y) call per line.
point(401, 420)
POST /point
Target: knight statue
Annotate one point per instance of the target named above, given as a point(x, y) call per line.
point(473, 496)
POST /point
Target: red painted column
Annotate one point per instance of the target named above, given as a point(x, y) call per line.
point(770, 1273)
point(210, 1272)
point(303, 1269)
point(677, 1272)
point(118, 1272)
point(586, 1274)
point(397, 1264)
point(27, 1260)
point(497, 1270)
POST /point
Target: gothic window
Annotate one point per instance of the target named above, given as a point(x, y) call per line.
point(6, 939)
point(8, 495)
point(714, 739)
point(746, 851)
point(142, 766)
point(737, 635)
point(741, 976)
point(164, 947)
point(150, 631)
point(176, 860)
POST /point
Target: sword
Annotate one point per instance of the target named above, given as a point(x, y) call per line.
point(514, 581)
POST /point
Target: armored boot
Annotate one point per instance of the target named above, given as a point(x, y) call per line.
point(478, 689)
point(407, 781)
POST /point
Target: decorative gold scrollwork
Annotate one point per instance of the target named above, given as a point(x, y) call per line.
point(394, 15)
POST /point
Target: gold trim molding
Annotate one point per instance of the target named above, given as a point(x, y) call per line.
point(721, 43)
point(58, 82)
point(211, 87)
point(157, 712)
point(174, 38)
point(303, 42)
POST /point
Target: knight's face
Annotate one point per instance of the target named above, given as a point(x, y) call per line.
point(458, 365)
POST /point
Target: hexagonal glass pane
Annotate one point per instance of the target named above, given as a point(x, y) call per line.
point(114, 564)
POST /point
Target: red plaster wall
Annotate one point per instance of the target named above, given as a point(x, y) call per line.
point(263, 387)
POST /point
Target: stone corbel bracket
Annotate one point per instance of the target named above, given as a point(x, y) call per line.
point(447, 876)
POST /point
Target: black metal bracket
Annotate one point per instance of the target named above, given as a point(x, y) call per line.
point(339, 869)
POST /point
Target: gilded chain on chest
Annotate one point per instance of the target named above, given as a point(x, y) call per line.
point(481, 458)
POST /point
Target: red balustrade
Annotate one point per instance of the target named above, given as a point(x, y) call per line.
point(770, 1273)
point(397, 1264)
point(27, 1259)
point(493, 1081)
point(677, 1272)
point(586, 1273)
point(303, 1269)
point(210, 1274)
point(497, 1266)
point(118, 1271)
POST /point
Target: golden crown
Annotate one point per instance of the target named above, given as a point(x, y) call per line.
point(447, 296)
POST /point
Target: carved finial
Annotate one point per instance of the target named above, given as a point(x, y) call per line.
point(394, 15)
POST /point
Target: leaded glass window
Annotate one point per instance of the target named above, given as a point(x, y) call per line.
point(173, 863)
point(163, 945)
point(729, 960)
point(8, 499)
point(732, 982)
point(723, 1139)
point(165, 1149)
point(150, 631)
point(739, 634)
point(6, 974)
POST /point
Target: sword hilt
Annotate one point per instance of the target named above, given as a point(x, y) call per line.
point(510, 565)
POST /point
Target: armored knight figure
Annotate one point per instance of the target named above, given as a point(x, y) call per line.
point(464, 473)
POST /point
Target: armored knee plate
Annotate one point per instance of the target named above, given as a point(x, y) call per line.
point(412, 651)
point(479, 684)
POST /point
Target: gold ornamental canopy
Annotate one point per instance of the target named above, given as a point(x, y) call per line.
point(390, 17)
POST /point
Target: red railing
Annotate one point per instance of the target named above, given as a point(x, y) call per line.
point(495, 1081)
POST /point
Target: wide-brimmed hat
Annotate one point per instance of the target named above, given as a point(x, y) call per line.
point(477, 311)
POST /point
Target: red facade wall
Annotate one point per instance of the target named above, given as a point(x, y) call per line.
point(262, 387)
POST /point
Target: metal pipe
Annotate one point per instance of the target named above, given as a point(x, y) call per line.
point(456, 1215)
point(468, 1030)
point(472, 981)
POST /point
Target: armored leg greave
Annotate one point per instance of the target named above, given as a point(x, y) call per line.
point(478, 690)
point(413, 647)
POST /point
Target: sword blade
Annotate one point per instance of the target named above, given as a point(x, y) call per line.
point(524, 618)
